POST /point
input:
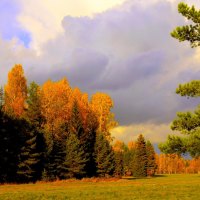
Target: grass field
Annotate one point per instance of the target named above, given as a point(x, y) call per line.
point(172, 187)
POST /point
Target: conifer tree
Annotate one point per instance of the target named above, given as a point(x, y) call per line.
point(76, 125)
point(127, 164)
point(55, 157)
point(86, 134)
point(132, 159)
point(187, 123)
point(33, 112)
point(190, 32)
point(87, 141)
point(28, 156)
point(75, 160)
point(9, 148)
point(118, 164)
point(151, 159)
point(140, 158)
point(118, 148)
point(34, 116)
point(104, 156)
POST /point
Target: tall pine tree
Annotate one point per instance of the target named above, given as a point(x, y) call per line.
point(140, 158)
point(9, 148)
point(28, 156)
point(151, 159)
point(104, 156)
point(75, 160)
point(33, 111)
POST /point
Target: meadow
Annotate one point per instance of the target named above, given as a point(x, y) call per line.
point(171, 187)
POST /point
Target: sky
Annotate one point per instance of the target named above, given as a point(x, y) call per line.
point(120, 47)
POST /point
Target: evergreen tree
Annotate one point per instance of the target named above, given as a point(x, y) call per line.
point(133, 162)
point(75, 161)
point(9, 148)
point(33, 112)
point(104, 156)
point(128, 156)
point(87, 141)
point(86, 134)
point(118, 164)
point(10, 144)
point(55, 157)
point(188, 123)
point(190, 32)
point(76, 125)
point(151, 159)
point(119, 148)
point(28, 156)
point(34, 117)
point(140, 158)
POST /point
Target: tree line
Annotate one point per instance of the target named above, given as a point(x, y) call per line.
point(53, 131)
point(175, 164)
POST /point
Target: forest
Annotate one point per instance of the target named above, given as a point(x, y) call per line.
point(53, 132)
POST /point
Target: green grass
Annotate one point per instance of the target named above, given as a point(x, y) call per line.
point(171, 187)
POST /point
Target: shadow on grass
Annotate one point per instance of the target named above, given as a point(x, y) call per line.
point(148, 177)
point(159, 175)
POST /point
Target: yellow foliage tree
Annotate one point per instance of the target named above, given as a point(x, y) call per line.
point(132, 145)
point(102, 104)
point(15, 92)
point(83, 104)
point(55, 98)
point(118, 146)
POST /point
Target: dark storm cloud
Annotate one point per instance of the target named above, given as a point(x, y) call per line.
point(123, 74)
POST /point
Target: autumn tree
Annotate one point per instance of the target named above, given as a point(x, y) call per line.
point(55, 111)
point(55, 105)
point(102, 104)
point(15, 92)
point(174, 163)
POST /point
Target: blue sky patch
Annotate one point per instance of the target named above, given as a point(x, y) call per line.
point(9, 26)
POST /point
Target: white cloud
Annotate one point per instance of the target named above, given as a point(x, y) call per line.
point(43, 18)
point(153, 132)
point(13, 52)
